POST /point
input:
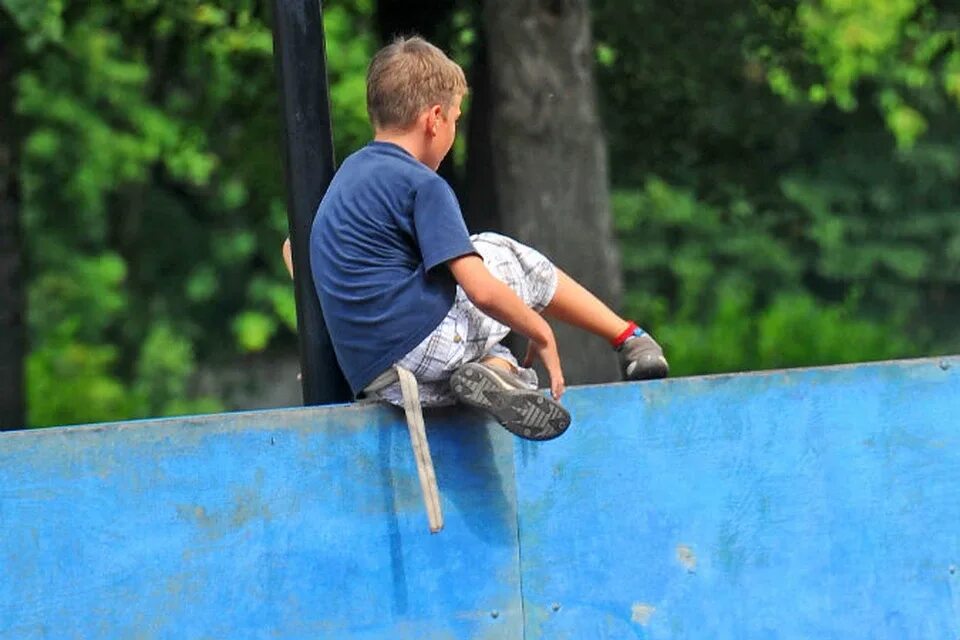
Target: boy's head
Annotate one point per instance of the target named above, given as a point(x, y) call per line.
point(411, 83)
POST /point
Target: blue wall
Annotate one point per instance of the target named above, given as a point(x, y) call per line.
point(821, 503)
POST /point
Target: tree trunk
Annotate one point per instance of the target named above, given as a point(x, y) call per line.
point(549, 156)
point(12, 303)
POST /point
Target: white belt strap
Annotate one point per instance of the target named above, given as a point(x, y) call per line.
point(418, 439)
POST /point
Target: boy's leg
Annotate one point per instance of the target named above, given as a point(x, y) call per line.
point(547, 289)
point(489, 376)
point(500, 363)
point(573, 304)
point(641, 358)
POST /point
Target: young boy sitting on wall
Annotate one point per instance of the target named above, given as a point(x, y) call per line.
point(402, 283)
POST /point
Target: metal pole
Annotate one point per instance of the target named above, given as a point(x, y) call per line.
point(301, 63)
point(13, 333)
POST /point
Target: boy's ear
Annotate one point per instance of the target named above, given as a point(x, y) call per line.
point(434, 114)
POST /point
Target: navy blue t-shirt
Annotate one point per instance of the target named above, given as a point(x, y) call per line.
point(385, 223)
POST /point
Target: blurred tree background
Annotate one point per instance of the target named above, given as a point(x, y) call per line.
point(784, 182)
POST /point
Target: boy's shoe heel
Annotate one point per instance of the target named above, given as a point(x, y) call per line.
point(526, 413)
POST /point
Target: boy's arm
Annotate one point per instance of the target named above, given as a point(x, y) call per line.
point(498, 301)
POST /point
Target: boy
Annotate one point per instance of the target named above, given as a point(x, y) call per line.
point(402, 283)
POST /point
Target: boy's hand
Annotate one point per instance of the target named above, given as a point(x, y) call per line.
point(499, 301)
point(550, 356)
point(287, 254)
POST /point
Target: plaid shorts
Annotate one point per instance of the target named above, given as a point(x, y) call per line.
point(467, 334)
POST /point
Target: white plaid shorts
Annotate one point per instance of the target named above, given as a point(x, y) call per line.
point(467, 334)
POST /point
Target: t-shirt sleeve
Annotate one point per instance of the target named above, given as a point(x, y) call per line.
point(441, 232)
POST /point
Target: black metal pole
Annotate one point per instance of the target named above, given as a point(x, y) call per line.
point(301, 61)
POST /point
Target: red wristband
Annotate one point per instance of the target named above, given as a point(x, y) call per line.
point(620, 339)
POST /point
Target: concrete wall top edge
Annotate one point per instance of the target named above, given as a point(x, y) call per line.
point(292, 413)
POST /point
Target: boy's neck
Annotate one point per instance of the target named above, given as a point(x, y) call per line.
point(410, 141)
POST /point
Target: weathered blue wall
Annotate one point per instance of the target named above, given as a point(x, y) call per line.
point(285, 524)
point(820, 503)
point(800, 504)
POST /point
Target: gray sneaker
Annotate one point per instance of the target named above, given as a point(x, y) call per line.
point(524, 412)
point(641, 358)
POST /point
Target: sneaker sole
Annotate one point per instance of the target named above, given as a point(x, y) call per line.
point(648, 368)
point(527, 414)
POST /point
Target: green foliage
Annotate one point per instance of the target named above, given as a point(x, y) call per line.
point(162, 374)
point(73, 382)
point(350, 45)
point(723, 293)
point(688, 251)
point(797, 330)
point(793, 330)
point(784, 180)
point(39, 20)
point(750, 205)
point(153, 197)
point(72, 373)
point(908, 49)
point(253, 330)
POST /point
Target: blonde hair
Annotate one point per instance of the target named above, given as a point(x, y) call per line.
point(408, 76)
